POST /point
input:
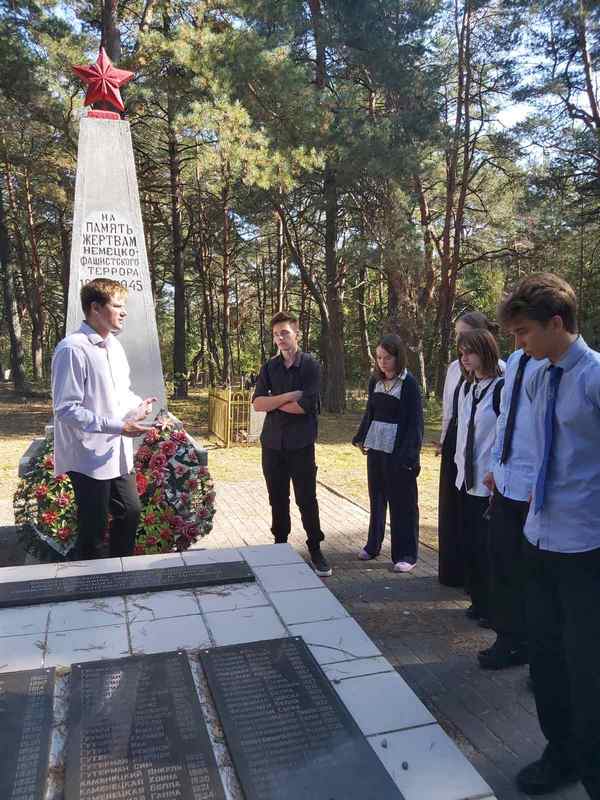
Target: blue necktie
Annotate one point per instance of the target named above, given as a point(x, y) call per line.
point(555, 374)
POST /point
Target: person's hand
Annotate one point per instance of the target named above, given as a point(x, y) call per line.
point(145, 408)
point(295, 396)
point(489, 482)
point(132, 429)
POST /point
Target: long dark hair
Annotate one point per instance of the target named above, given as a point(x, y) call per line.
point(393, 345)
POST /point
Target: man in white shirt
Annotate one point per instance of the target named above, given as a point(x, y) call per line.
point(96, 417)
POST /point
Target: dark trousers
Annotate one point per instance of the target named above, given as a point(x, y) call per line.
point(507, 568)
point(95, 499)
point(394, 486)
point(563, 615)
point(281, 466)
point(476, 533)
point(451, 561)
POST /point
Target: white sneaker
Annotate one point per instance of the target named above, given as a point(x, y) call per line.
point(403, 566)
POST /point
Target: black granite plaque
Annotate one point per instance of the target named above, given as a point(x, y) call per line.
point(289, 734)
point(26, 700)
point(136, 732)
point(84, 587)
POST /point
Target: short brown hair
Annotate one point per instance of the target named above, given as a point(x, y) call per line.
point(284, 316)
point(477, 319)
point(482, 343)
point(393, 345)
point(100, 290)
point(540, 297)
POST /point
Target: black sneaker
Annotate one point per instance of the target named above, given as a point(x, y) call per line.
point(545, 776)
point(501, 658)
point(320, 565)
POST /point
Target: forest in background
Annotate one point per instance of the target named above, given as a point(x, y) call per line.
point(360, 162)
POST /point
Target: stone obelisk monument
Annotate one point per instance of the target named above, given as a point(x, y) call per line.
point(108, 234)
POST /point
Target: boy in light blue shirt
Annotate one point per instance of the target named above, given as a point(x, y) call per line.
point(563, 533)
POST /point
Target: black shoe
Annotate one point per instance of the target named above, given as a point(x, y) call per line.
point(502, 657)
point(545, 776)
point(471, 612)
point(320, 565)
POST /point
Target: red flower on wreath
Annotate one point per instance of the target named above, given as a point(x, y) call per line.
point(158, 461)
point(64, 533)
point(49, 517)
point(41, 491)
point(49, 462)
point(141, 483)
point(179, 436)
point(63, 500)
point(168, 449)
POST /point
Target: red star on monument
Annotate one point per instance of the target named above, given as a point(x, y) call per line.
point(104, 81)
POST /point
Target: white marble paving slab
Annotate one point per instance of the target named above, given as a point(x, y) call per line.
point(244, 625)
point(23, 621)
point(21, 652)
point(357, 668)
point(382, 703)
point(96, 566)
point(287, 577)
point(96, 613)
point(28, 572)
point(309, 605)
point(70, 647)
point(263, 555)
point(154, 561)
point(191, 557)
point(436, 769)
point(336, 640)
point(230, 597)
point(163, 635)
point(161, 605)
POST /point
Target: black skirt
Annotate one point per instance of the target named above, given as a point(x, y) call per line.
point(451, 571)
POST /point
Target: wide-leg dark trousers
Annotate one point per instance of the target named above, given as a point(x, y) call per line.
point(281, 466)
point(508, 574)
point(476, 535)
point(394, 486)
point(451, 560)
point(95, 499)
point(563, 602)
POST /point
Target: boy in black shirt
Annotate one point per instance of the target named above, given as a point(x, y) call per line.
point(288, 390)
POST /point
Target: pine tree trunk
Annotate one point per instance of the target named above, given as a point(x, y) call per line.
point(179, 334)
point(335, 388)
point(225, 329)
point(17, 357)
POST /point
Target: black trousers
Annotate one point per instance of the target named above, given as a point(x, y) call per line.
point(281, 466)
point(394, 486)
point(451, 562)
point(563, 615)
point(95, 499)
point(507, 568)
point(476, 533)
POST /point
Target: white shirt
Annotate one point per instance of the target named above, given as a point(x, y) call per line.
point(92, 398)
point(450, 384)
point(485, 434)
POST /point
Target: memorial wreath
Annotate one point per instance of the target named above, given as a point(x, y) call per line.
point(175, 489)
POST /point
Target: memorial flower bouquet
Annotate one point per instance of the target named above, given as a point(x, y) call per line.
point(176, 492)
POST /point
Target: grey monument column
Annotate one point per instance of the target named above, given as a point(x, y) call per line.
point(108, 242)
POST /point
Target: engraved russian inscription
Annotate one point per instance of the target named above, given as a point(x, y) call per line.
point(84, 587)
point(26, 700)
point(136, 732)
point(289, 734)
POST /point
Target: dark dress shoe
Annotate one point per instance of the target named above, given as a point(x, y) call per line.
point(545, 776)
point(501, 657)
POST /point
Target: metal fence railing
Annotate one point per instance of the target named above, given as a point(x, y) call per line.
point(231, 418)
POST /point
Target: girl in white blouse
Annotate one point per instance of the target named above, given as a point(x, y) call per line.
point(450, 549)
point(478, 409)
